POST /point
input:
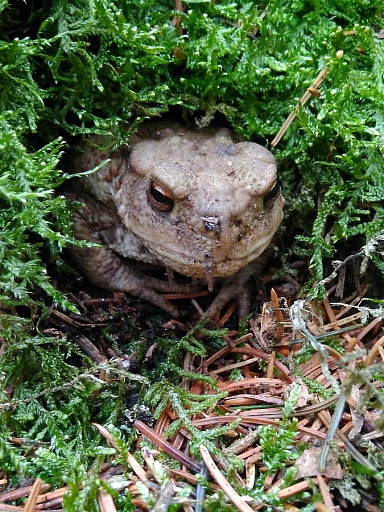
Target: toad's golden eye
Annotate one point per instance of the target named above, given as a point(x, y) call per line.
point(270, 197)
point(160, 198)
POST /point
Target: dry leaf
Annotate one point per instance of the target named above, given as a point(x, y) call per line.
point(307, 464)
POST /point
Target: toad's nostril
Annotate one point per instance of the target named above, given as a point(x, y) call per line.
point(211, 223)
point(209, 226)
point(238, 223)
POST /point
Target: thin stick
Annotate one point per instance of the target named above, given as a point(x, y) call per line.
point(303, 100)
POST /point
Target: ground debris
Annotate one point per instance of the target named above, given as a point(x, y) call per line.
point(254, 375)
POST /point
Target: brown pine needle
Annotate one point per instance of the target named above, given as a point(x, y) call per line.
point(105, 501)
point(31, 502)
point(223, 482)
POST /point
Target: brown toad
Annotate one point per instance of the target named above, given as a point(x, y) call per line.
point(199, 202)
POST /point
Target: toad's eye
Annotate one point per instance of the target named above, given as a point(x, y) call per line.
point(160, 198)
point(270, 197)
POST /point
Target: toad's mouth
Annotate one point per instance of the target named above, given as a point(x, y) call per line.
point(208, 265)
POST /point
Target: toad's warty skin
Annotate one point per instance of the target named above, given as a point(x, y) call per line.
point(199, 202)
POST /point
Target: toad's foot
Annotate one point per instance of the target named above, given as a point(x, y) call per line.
point(238, 287)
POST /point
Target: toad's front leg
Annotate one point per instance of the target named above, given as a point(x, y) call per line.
point(105, 268)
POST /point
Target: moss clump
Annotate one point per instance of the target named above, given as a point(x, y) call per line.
point(84, 67)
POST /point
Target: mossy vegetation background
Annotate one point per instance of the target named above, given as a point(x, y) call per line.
point(69, 69)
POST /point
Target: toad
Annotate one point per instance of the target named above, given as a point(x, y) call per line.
point(203, 203)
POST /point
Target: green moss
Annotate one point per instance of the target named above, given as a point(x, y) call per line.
point(69, 69)
point(85, 67)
